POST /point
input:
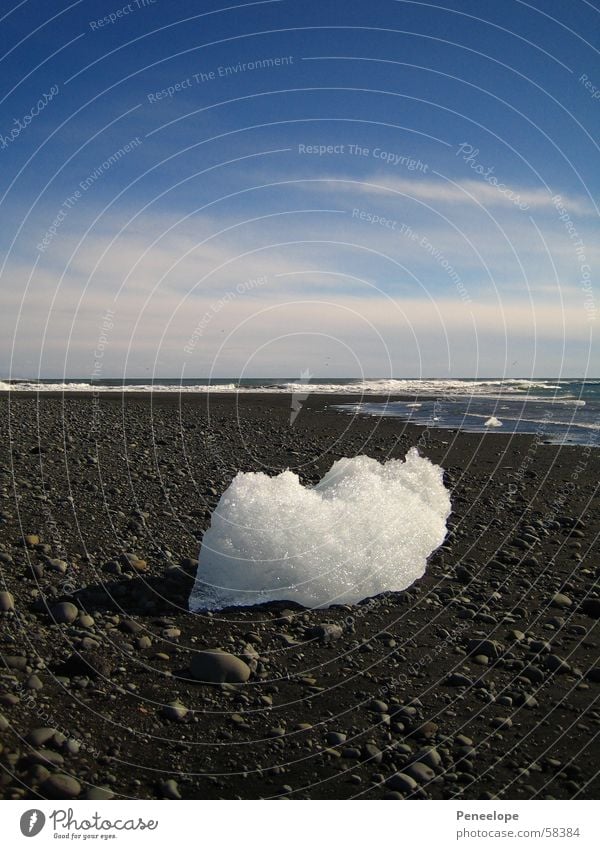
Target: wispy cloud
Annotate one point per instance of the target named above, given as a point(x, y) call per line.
point(444, 191)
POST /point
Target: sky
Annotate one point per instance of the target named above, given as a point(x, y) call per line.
point(383, 189)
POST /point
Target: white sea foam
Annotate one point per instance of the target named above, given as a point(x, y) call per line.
point(365, 528)
point(383, 386)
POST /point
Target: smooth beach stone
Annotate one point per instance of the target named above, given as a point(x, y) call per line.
point(16, 661)
point(561, 601)
point(420, 772)
point(86, 621)
point(7, 601)
point(218, 667)
point(99, 794)
point(335, 738)
point(65, 612)
point(429, 756)
point(457, 679)
point(61, 786)
point(489, 648)
point(557, 664)
point(176, 711)
point(326, 632)
point(170, 789)
point(402, 782)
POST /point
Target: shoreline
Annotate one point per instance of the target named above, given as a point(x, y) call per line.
point(321, 401)
point(477, 682)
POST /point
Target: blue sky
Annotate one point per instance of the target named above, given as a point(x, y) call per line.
point(383, 188)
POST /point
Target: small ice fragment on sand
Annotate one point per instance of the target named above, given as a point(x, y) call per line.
point(365, 528)
point(493, 422)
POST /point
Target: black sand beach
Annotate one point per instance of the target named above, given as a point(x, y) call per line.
point(480, 681)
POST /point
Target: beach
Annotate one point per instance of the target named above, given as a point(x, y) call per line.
point(480, 681)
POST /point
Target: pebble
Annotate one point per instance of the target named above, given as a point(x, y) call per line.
point(457, 679)
point(489, 648)
point(561, 601)
point(420, 772)
point(351, 753)
point(61, 786)
point(501, 722)
point(65, 612)
point(217, 667)
point(170, 789)
point(402, 782)
point(429, 756)
point(325, 632)
point(557, 664)
point(7, 601)
point(175, 711)
point(335, 738)
point(99, 794)
point(372, 753)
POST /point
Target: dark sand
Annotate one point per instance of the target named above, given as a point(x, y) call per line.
point(475, 683)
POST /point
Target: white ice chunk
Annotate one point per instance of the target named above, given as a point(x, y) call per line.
point(365, 528)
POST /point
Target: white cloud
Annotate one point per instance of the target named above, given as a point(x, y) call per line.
point(310, 311)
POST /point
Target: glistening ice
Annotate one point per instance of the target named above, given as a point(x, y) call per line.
point(365, 528)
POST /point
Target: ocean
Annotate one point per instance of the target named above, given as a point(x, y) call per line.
point(557, 410)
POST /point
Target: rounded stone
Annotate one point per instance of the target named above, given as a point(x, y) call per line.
point(65, 612)
point(218, 667)
point(7, 601)
point(335, 738)
point(420, 772)
point(61, 786)
point(561, 601)
point(429, 756)
point(100, 794)
point(402, 782)
point(175, 711)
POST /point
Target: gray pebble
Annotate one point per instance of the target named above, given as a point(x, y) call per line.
point(7, 601)
point(561, 601)
point(99, 794)
point(65, 612)
point(175, 711)
point(170, 789)
point(40, 736)
point(61, 786)
point(420, 772)
point(335, 738)
point(402, 782)
point(218, 667)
